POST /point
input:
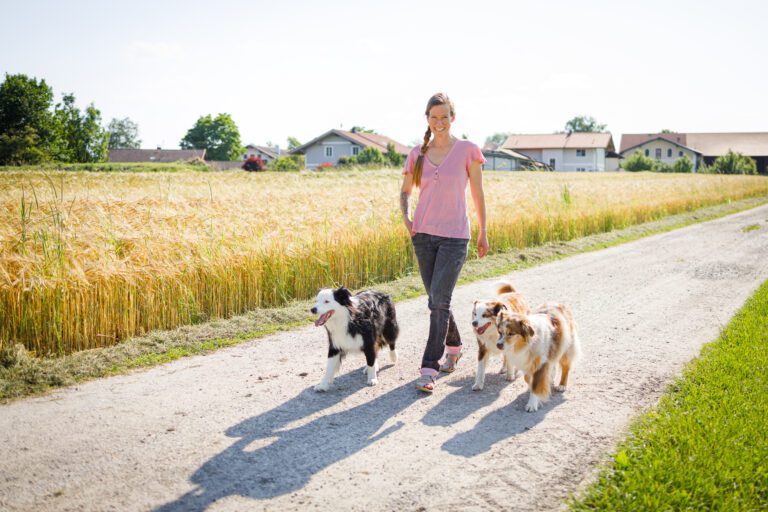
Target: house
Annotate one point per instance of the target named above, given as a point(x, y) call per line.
point(155, 155)
point(328, 147)
point(267, 154)
point(573, 151)
point(499, 159)
point(700, 147)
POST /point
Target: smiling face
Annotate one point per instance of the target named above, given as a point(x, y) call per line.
point(484, 316)
point(514, 330)
point(325, 306)
point(440, 119)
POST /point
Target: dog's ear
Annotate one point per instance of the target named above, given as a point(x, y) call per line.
point(342, 296)
point(528, 328)
point(497, 307)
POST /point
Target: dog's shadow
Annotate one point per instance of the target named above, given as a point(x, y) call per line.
point(271, 457)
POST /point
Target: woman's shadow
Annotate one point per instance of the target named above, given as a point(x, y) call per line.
point(285, 457)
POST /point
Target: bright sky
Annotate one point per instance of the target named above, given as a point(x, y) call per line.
point(300, 68)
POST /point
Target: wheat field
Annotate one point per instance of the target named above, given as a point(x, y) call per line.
point(88, 259)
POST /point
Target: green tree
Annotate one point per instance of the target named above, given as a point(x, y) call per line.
point(219, 137)
point(26, 124)
point(584, 124)
point(497, 138)
point(79, 135)
point(638, 162)
point(665, 130)
point(683, 164)
point(395, 159)
point(734, 163)
point(293, 143)
point(361, 129)
point(123, 134)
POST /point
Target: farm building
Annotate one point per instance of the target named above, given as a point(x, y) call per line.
point(328, 147)
point(575, 151)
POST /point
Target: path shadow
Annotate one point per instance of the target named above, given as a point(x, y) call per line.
point(502, 423)
point(271, 458)
point(461, 403)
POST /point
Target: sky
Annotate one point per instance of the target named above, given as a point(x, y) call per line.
point(300, 68)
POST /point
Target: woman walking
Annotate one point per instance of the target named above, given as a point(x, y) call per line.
point(441, 168)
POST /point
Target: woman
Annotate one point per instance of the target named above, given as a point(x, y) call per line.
point(442, 167)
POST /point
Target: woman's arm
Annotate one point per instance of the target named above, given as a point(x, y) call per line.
point(478, 196)
point(405, 201)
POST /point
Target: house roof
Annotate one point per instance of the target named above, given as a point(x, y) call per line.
point(662, 138)
point(154, 155)
point(497, 150)
point(363, 139)
point(264, 149)
point(708, 144)
point(573, 140)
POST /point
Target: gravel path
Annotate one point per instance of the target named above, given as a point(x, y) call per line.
point(242, 429)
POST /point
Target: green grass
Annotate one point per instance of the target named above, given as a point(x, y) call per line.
point(22, 374)
point(705, 447)
point(751, 227)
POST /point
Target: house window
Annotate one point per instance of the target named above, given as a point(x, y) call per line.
point(658, 153)
point(669, 153)
point(647, 152)
point(329, 151)
point(680, 154)
point(581, 152)
point(552, 163)
point(355, 150)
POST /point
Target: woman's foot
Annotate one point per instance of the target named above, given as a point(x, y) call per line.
point(452, 356)
point(426, 382)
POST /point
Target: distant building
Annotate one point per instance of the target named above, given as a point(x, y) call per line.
point(267, 154)
point(154, 155)
point(328, 147)
point(499, 159)
point(699, 147)
point(575, 151)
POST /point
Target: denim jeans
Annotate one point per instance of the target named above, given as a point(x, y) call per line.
point(440, 261)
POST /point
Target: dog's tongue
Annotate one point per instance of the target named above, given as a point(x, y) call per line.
point(481, 330)
point(323, 318)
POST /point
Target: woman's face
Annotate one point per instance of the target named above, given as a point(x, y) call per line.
point(440, 119)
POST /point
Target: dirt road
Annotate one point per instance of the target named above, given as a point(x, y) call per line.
point(242, 429)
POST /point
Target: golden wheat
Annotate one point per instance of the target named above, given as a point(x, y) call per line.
point(88, 259)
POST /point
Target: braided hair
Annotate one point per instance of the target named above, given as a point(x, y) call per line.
point(437, 99)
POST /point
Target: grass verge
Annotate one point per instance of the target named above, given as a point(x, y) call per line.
point(705, 447)
point(22, 375)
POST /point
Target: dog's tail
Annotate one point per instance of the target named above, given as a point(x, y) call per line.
point(504, 287)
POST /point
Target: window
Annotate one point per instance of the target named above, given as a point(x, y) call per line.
point(647, 152)
point(581, 152)
point(328, 151)
point(355, 150)
point(680, 154)
point(552, 163)
point(581, 169)
point(669, 153)
point(658, 153)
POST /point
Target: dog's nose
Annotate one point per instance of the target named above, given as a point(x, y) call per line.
point(314, 311)
point(500, 345)
point(474, 323)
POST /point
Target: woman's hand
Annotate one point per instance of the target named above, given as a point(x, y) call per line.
point(409, 226)
point(482, 244)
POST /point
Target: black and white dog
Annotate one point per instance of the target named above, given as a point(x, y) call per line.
point(361, 323)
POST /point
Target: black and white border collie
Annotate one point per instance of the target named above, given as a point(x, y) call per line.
point(355, 323)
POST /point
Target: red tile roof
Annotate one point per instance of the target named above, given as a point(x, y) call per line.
point(574, 140)
point(708, 144)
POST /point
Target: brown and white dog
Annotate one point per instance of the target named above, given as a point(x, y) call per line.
point(484, 313)
point(537, 343)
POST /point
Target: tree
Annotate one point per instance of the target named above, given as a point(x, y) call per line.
point(219, 137)
point(361, 129)
point(497, 138)
point(584, 124)
point(26, 124)
point(665, 130)
point(683, 164)
point(734, 163)
point(79, 136)
point(293, 143)
point(638, 162)
point(123, 134)
point(395, 159)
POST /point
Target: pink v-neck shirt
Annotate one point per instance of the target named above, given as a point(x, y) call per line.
point(442, 206)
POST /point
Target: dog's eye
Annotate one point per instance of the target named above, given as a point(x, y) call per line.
point(327, 301)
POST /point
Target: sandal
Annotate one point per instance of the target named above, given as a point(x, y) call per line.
point(449, 364)
point(425, 383)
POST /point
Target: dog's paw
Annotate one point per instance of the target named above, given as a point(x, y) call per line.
point(559, 388)
point(512, 375)
point(373, 382)
point(322, 387)
point(478, 386)
point(393, 356)
point(533, 404)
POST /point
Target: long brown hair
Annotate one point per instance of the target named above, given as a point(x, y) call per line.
point(437, 99)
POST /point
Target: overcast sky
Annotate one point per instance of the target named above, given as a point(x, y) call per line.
point(300, 68)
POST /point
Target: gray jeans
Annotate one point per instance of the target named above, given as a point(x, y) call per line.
point(440, 261)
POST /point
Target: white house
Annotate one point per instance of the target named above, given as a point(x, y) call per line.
point(575, 151)
point(328, 147)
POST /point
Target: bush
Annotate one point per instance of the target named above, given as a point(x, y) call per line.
point(637, 162)
point(663, 167)
point(254, 163)
point(683, 164)
point(734, 163)
point(287, 163)
point(324, 165)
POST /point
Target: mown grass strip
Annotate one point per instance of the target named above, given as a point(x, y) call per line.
point(22, 374)
point(705, 447)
